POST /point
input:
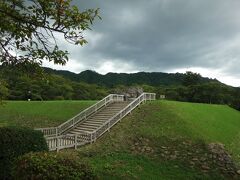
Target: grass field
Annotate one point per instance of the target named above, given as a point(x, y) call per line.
point(160, 139)
point(39, 113)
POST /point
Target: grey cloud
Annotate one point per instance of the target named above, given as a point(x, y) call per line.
point(162, 35)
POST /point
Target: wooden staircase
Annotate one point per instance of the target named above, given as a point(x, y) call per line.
point(98, 119)
point(93, 122)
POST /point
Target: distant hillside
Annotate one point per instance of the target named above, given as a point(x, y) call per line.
point(113, 79)
point(20, 84)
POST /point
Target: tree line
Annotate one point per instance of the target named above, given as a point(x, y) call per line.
point(18, 85)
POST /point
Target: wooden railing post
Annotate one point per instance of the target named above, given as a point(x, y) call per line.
point(75, 140)
point(56, 131)
point(57, 145)
point(95, 136)
point(62, 142)
point(120, 117)
point(91, 138)
point(108, 126)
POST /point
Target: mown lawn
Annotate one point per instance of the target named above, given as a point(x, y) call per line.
point(167, 140)
point(130, 166)
point(211, 123)
point(159, 140)
point(35, 114)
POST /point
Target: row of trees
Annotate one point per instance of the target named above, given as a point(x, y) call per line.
point(212, 93)
point(193, 90)
point(23, 86)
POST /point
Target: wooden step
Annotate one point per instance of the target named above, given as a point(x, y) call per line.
point(84, 128)
point(114, 108)
point(81, 130)
point(104, 115)
point(99, 118)
point(111, 110)
point(74, 133)
point(92, 125)
point(78, 131)
point(94, 122)
point(96, 119)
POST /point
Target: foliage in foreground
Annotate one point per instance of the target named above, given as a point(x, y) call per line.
point(28, 28)
point(15, 142)
point(52, 166)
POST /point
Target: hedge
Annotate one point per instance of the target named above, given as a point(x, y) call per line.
point(52, 166)
point(14, 142)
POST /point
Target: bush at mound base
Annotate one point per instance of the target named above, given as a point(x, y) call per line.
point(52, 166)
point(16, 141)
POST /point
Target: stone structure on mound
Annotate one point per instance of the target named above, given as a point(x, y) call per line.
point(130, 92)
point(223, 159)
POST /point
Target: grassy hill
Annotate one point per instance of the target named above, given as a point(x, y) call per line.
point(161, 139)
point(167, 139)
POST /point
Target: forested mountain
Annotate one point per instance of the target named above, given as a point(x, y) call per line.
point(113, 79)
point(64, 85)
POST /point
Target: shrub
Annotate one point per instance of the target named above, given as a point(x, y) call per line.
point(59, 98)
point(52, 166)
point(36, 97)
point(16, 141)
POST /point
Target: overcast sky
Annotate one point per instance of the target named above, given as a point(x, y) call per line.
point(161, 35)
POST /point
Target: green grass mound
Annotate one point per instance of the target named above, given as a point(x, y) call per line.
point(170, 140)
point(159, 140)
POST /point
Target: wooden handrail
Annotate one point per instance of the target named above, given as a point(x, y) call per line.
point(66, 141)
point(143, 97)
point(59, 130)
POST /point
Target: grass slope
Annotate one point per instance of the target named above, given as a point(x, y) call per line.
point(211, 123)
point(167, 140)
point(159, 140)
point(39, 113)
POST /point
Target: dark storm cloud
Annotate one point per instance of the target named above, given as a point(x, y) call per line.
point(162, 35)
